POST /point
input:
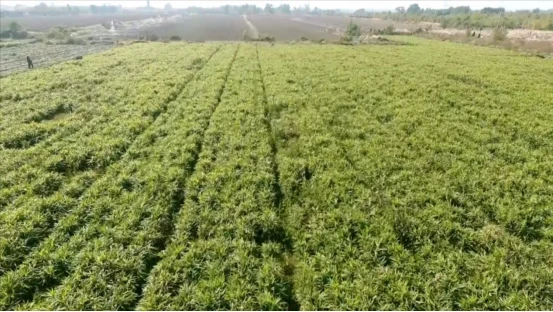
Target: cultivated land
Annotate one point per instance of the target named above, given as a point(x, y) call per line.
point(41, 23)
point(257, 176)
point(206, 27)
point(287, 28)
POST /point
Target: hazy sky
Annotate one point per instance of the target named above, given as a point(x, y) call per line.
point(376, 5)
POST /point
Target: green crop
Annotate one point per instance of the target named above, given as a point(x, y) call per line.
point(219, 176)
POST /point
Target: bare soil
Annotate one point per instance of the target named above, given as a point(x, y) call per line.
point(43, 23)
point(287, 28)
point(212, 27)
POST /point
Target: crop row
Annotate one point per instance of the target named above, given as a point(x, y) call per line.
point(397, 187)
point(54, 177)
point(113, 107)
point(291, 177)
point(98, 256)
point(66, 103)
point(229, 248)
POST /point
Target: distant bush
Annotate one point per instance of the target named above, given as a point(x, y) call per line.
point(153, 37)
point(262, 37)
point(74, 41)
point(15, 34)
point(266, 38)
point(353, 30)
point(175, 38)
point(390, 30)
point(20, 34)
point(9, 44)
point(499, 34)
point(5, 34)
point(54, 34)
point(14, 27)
point(346, 40)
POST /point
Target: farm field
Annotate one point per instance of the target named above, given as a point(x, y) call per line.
point(13, 58)
point(286, 28)
point(225, 175)
point(41, 23)
point(208, 27)
point(342, 22)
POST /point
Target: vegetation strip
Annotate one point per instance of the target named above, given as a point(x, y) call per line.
point(27, 225)
point(80, 213)
point(181, 196)
point(93, 137)
point(287, 257)
point(227, 247)
point(370, 222)
point(295, 176)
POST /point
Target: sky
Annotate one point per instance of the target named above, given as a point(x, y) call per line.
point(350, 5)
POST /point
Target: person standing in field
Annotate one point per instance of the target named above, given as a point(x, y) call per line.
point(30, 62)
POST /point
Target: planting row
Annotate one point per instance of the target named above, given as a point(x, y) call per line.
point(51, 179)
point(228, 251)
point(397, 187)
point(99, 254)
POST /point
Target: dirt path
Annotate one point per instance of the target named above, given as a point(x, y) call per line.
point(252, 31)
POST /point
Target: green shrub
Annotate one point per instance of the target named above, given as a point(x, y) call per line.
point(74, 41)
point(499, 34)
point(353, 30)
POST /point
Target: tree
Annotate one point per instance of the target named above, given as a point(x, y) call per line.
point(536, 11)
point(269, 9)
point(488, 10)
point(413, 9)
point(353, 30)
point(400, 9)
point(284, 9)
point(360, 12)
point(42, 8)
point(168, 7)
point(14, 27)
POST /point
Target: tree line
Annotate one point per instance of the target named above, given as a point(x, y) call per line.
point(43, 9)
point(465, 17)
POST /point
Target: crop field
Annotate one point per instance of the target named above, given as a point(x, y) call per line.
point(208, 27)
point(210, 176)
point(41, 23)
point(13, 58)
point(286, 28)
point(365, 23)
